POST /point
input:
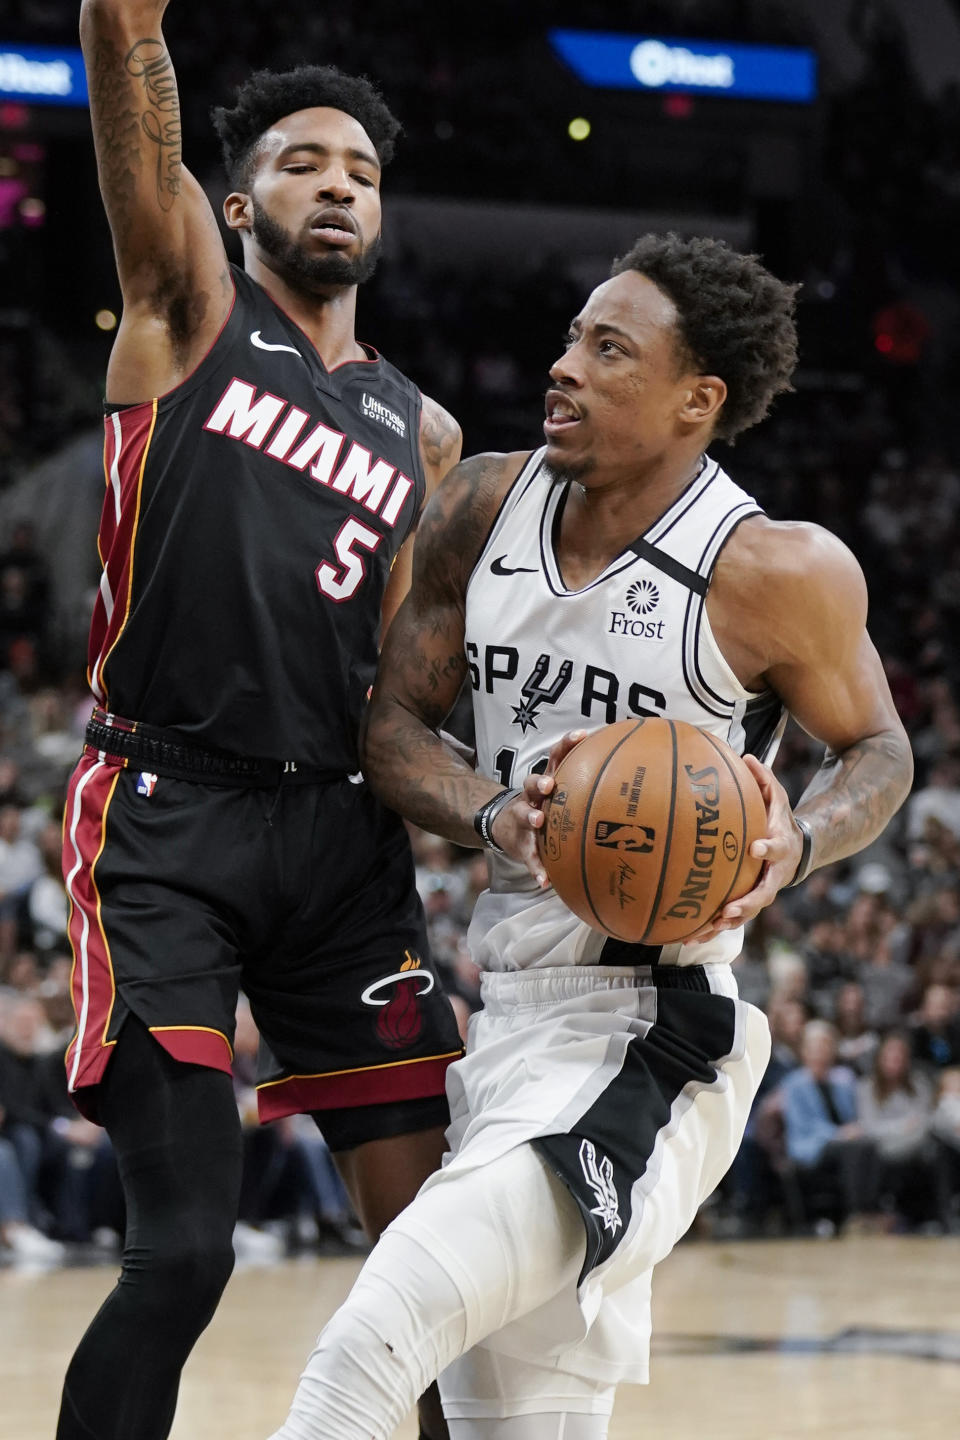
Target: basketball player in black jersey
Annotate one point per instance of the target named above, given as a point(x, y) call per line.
point(264, 472)
point(605, 1086)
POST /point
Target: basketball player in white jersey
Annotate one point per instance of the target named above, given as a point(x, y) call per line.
point(617, 571)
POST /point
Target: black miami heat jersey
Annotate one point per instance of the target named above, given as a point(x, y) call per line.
point(251, 519)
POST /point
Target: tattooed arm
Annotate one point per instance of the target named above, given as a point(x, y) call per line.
point(440, 443)
point(788, 607)
point(170, 259)
point(423, 663)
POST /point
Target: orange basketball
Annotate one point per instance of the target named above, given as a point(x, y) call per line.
point(647, 832)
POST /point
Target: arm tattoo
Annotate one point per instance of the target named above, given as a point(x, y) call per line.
point(439, 437)
point(424, 663)
point(149, 61)
point(854, 794)
point(116, 127)
point(456, 523)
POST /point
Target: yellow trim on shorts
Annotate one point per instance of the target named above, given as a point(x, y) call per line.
point(207, 1030)
point(359, 1069)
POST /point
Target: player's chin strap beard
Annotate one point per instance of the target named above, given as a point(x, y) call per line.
point(697, 472)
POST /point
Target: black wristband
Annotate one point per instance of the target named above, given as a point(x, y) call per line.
point(485, 816)
point(806, 853)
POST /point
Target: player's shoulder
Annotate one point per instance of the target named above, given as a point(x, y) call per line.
point(459, 515)
point(481, 481)
point(763, 551)
point(441, 440)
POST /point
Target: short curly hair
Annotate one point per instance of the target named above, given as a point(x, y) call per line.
point(736, 320)
point(267, 96)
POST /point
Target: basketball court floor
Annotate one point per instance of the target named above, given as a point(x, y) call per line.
point(855, 1339)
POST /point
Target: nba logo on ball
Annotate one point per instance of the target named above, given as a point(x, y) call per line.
point(647, 834)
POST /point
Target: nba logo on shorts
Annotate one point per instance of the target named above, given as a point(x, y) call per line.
point(146, 783)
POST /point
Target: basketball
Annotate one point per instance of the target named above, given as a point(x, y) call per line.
point(647, 832)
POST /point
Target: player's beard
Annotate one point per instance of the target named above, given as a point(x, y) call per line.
point(568, 474)
point(310, 272)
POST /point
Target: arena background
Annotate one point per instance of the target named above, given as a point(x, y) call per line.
point(516, 183)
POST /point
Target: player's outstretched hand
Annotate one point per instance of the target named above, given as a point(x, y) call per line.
point(515, 828)
point(779, 849)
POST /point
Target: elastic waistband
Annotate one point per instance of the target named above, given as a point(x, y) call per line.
point(165, 752)
point(581, 979)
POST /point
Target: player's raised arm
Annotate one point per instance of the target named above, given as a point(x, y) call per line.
point(814, 651)
point(170, 259)
point(423, 662)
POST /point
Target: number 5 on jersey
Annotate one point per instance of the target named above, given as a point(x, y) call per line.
point(340, 582)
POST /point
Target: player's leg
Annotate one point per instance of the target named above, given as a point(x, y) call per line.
point(384, 1153)
point(176, 1135)
point(354, 1025)
point(156, 871)
point(490, 1396)
point(382, 1173)
point(474, 1251)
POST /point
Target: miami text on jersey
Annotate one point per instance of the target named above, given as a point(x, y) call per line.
point(276, 428)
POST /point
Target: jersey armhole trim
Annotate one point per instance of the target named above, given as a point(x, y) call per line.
point(510, 494)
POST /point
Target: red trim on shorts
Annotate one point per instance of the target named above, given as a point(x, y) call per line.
point(195, 1045)
point(92, 988)
point(343, 1089)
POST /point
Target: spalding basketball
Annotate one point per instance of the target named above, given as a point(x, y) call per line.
point(647, 832)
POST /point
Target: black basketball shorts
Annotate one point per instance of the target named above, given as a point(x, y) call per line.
point(182, 893)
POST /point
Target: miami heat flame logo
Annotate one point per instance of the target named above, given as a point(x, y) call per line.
point(400, 1020)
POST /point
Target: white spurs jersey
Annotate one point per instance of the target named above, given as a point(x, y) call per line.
point(544, 659)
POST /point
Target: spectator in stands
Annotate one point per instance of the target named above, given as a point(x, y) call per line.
point(876, 953)
point(47, 900)
point(826, 959)
point(857, 1042)
point(935, 1034)
point(288, 1171)
point(17, 1236)
point(63, 1158)
point(754, 1187)
point(824, 1138)
point(938, 934)
point(938, 800)
point(945, 1128)
point(24, 591)
point(20, 864)
point(895, 1108)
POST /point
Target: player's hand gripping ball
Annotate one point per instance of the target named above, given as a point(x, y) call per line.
point(648, 829)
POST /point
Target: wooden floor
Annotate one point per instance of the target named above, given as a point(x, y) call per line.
point(855, 1339)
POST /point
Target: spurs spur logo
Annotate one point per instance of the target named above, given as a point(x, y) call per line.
point(535, 693)
point(598, 1173)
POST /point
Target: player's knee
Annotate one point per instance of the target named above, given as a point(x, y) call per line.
point(187, 1273)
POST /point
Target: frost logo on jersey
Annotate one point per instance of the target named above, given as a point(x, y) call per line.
point(599, 1176)
point(643, 596)
point(375, 409)
point(400, 1020)
point(535, 693)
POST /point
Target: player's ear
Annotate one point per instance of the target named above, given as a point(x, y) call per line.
point(238, 211)
point(703, 401)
